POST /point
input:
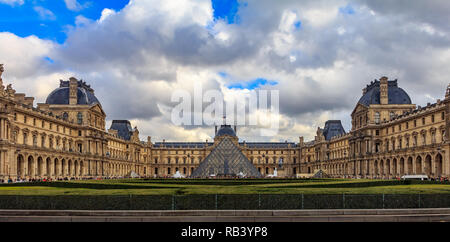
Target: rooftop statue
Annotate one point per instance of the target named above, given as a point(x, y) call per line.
point(1, 70)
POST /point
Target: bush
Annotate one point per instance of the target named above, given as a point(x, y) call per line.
point(226, 202)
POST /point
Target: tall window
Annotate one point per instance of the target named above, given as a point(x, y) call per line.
point(377, 117)
point(391, 115)
point(80, 118)
point(24, 138)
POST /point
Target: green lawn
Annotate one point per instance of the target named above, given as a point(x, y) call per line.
point(257, 186)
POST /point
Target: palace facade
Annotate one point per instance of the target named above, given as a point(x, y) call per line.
point(65, 137)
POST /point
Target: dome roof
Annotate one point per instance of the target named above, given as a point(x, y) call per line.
point(85, 94)
point(396, 95)
point(225, 130)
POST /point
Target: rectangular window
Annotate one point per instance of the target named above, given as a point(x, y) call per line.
point(432, 118)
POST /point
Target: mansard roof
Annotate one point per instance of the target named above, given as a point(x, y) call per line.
point(333, 128)
point(123, 128)
point(396, 95)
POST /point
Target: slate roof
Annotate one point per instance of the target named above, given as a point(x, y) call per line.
point(268, 144)
point(123, 128)
point(226, 130)
point(182, 144)
point(396, 95)
point(85, 94)
point(333, 128)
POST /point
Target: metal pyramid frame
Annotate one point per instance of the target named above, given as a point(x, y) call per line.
point(226, 160)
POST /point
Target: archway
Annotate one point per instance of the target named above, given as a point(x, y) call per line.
point(394, 167)
point(63, 167)
point(56, 167)
point(77, 169)
point(30, 166)
point(81, 168)
point(388, 167)
point(40, 165)
point(69, 168)
point(428, 166)
point(402, 166)
point(20, 166)
point(438, 162)
point(419, 165)
point(410, 165)
point(375, 167)
point(48, 162)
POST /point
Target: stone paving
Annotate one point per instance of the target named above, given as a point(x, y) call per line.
point(342, 215)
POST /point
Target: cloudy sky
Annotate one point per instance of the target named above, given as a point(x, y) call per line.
point(319, 55)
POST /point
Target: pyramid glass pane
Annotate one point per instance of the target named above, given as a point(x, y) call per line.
point(226, 159)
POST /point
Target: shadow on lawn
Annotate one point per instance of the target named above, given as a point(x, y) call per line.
point(227, 182)
point(100, 186)
point(364, 184)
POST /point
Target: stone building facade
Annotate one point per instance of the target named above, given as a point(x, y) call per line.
point(65, 137)
point(390, 137)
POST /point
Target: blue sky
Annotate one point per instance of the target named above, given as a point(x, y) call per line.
point(49, 19)
point(226, 10)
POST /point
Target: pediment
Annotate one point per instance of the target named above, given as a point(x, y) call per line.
point(97, 109)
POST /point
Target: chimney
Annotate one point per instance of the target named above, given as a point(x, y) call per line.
point(73, 90)
point(384, 99)
point(149, 139)
point(301, 140)
point(216, 130)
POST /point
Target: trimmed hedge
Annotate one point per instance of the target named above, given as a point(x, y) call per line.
point(226, 202)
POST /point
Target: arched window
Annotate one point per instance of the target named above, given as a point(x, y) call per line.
point(377, 117)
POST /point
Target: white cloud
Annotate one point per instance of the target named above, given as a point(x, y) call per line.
point(44, 13)
point(106, 13)
point(12, 2)
point(74, 5)
point(136, 57)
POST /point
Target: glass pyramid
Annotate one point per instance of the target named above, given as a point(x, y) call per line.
point(226, 160)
